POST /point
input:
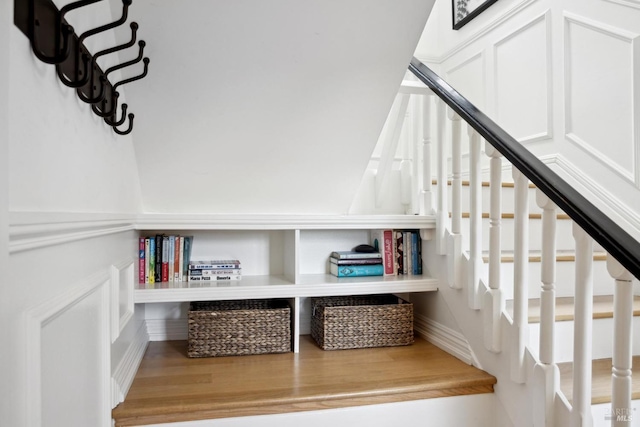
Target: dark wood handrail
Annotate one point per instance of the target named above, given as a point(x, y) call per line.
point(616, 241)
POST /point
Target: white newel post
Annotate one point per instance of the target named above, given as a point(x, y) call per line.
point(582, 340)
point(546, 373)
point(455, 242)
point(621, 412)
point(520, 276)
point(442, 214)
point(475, 216)
point(494, 299)
point(427, 197)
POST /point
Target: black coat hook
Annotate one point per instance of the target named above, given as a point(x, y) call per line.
point(137, 59)
point(105, 101)
point(81, 76)
point(91, 99)
point(129, 129)
point(61, 29)
point(108, 120)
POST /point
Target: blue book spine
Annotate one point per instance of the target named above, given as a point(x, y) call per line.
point(357, 270)
point(415, 253)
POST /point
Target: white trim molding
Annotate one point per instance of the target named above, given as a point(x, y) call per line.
point(39, 316)
point(443, 337)
point(34, 230)
point(630, 3)
point(631, 39)
point(125, 372)
point(122, 287)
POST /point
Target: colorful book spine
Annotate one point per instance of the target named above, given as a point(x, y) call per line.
point(354, 261)
point(353, 254)
point(406, 256)
point(146, 260)
point(188, 241)
point(165, 258)
point(216, 272)
point(176, 259)
point(152, 260)
point(141, 260)
point(158, 255)
point(399, 264)
point(172, 255)
point(415, 253)
point(217, 278)
point(383, 241)
point(181, 259)
point(357, 270)
point(217, 264)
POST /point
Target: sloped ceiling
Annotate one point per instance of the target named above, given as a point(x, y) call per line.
point(265, 106)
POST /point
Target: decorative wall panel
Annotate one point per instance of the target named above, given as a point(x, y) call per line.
point(602, 93)
point(522, 69)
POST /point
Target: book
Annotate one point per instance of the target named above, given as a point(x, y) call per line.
point(158, 260)
point(215, 272)
point(406, 255)
point(214, 264)
point(188, 241)
point(416, 253)
point(172, 256)
point(355, 261)
point(216, 278)
point(181, 259)
point(399, 264)
point(152, 260)
point(141, 260)
point(353, 254)
point(165, 258)
point(146, 260)
point(356, 270)
point(176, 259)
point(383, 241)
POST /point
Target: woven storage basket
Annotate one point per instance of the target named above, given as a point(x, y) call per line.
point(229, 328)
point(361, 321)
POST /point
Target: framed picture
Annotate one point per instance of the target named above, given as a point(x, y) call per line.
point(465, 10)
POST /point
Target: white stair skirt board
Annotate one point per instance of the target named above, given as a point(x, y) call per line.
point(125, 372)
point(445, 338)
point(602, 341)
point(480, 410)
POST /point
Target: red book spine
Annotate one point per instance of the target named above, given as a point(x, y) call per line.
point(141, 261)
point(389, 262)
point(176, 260)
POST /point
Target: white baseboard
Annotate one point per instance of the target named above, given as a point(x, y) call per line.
point(125, 372)
point(167, 329)
point(443, 337)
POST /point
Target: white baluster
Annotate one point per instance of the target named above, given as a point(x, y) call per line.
point(442, 214)
point(427, 196)
point(475, 214)
point(546, 373)
point(405, 164)
point(622, 344)
point(416, 158)
point(455, 243)
point(520, 276)
point(494, 298)
point(583, 326)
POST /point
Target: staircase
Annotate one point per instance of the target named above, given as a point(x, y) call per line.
point(532, 291)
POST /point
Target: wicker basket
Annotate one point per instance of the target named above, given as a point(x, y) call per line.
point(361, 321)
point(230, 328)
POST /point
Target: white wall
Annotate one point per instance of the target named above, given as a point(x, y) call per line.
point(72, 192)
point(562, 78)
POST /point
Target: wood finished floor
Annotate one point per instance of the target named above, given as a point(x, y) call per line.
point(171, 387)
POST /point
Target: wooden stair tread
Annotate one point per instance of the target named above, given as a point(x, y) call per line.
point(170, 387)
point(600, 382)
point(535, 256)
point(602, 308)
point(510, 215)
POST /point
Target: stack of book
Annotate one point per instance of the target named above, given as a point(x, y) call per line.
point(163, 258)
point(353, 264)
point(215, 271)
point(401, 251)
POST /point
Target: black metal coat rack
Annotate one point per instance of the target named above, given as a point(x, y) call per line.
point(54, 41)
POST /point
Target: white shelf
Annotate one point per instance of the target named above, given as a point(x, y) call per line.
point(252, 287)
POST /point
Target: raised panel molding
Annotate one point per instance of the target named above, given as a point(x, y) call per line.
point(630, 3)
point(545, 131)
point(122, 304)
point(46, 314)
point(630, 149)
point(125, 372)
